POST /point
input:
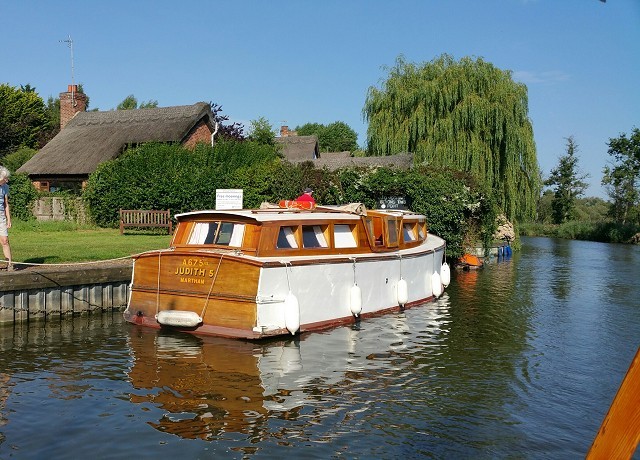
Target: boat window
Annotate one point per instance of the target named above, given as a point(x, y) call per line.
point(392, 228)
point(313, 237)
point(422, 230)
point(374, 229)
point(224, 234)
point(343, 236)
point(287, 238)
point(237, 235)
point(203, 233)
point(409, 232)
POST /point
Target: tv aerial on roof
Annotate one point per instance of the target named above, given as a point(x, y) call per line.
point(69, 43)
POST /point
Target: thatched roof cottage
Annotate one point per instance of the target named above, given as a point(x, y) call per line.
point(298, 149)
point(87, 139)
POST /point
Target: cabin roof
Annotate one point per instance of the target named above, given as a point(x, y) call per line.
point(90, 138)
point(271, 215)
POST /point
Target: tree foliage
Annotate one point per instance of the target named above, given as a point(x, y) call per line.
point(130, 102)
point(23, 118)
point(334, 137)
point(229, 131)
point(22, 196)
point(162, 176)
point(467, 115)
point(262, 132)
point(568, 184)
point(16, 159)
point(158, 176)
point(622, 177)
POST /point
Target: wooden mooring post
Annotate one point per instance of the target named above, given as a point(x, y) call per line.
point(53, 291)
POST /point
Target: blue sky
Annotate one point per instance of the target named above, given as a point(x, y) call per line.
point(294, 62)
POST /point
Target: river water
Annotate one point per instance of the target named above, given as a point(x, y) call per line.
point(520, 359)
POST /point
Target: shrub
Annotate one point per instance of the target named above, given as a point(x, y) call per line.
point(22, 195)
point(16, 159)
point(158, 176)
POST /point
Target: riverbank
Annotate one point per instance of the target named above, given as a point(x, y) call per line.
point(601, 232)
point(40, 292)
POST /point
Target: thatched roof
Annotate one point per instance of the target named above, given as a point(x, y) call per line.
point(91, 138)
point(299, 148)
point(337, 160)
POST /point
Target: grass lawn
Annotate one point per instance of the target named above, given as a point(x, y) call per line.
point(60, 242)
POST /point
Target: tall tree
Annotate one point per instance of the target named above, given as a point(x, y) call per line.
point(334, 137)
point(568, 184)
point(23, 118)
point(622, 177)
point(261, 131)
point(467, 115)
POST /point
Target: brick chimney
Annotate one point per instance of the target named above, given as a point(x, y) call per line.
point(284, 131)
point(71, 103)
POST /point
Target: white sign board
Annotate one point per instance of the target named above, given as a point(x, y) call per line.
point(228, 198)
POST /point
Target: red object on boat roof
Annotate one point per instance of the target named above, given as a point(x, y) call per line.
point(296, 204)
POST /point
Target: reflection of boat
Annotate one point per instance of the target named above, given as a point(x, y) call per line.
point(269, 272)
point(204, 387)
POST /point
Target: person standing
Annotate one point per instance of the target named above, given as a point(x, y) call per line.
point(5, 216)
point(306, 196)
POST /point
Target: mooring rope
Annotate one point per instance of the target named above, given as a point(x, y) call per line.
point(90, 262)
point(213, 281)
point(158, 286)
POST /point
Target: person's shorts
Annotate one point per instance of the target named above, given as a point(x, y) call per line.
point(3, 226)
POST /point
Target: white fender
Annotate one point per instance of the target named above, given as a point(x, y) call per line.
point(355, 300)
point(402, 291)
point(445, 274)
point(178, 318)
point(291, 313)
point(436, 284)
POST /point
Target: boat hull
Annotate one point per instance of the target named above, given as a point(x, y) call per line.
point(240, 296)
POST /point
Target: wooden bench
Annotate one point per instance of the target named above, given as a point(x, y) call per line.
point(145, 218)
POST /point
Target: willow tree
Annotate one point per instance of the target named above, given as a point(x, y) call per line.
point(467, 115)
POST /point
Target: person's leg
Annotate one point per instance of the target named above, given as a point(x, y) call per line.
point(6, 250)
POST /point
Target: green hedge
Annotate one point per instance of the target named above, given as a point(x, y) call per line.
point(157, 176)
point(22, 195)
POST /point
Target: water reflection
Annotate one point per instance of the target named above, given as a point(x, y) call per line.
point(209, 387)
point(5, 390)
point(501, 364)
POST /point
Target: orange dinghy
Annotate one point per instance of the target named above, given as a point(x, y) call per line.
point(470, 261)
point(295, 204)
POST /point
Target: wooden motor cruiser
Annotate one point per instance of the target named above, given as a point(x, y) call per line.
point(267, 272)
